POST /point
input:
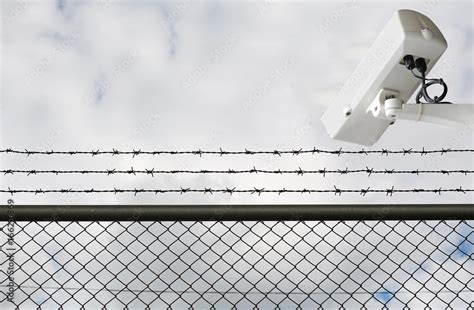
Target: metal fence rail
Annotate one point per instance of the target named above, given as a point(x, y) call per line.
point(234, 212)
point(237, 265)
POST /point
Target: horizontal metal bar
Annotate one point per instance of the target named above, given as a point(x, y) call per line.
point(289, 212)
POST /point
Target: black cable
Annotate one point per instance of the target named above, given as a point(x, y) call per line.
point(423, 92)
point(420, 64)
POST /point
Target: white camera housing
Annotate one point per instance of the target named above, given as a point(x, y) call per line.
point(408, 32)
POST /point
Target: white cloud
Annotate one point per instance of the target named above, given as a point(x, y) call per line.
point(50, 83)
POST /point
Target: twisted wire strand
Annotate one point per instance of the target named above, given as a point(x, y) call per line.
point(230, 191)
point(222, 152)
point(299, 171)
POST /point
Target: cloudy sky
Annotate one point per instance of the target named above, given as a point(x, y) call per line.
point(149, 75)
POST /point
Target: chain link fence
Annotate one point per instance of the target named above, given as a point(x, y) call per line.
point(237, 265)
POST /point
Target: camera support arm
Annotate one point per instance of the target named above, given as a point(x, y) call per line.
point(387, 106)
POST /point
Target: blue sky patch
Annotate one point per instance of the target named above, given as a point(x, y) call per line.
point(383, 296)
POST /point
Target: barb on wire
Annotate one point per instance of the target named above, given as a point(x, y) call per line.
point(363, 192)
point(230, 191)
point(301, 172)
point(221, 152)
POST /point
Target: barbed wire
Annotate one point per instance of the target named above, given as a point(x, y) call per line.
point(299, 171)
point(234, 190)
point(222, 152)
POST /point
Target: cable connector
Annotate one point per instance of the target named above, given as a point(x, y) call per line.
point(420, 64)
point(409, 62)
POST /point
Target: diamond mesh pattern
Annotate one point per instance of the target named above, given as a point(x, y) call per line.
point(238, 265)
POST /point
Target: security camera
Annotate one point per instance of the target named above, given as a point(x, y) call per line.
point(376, 94)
